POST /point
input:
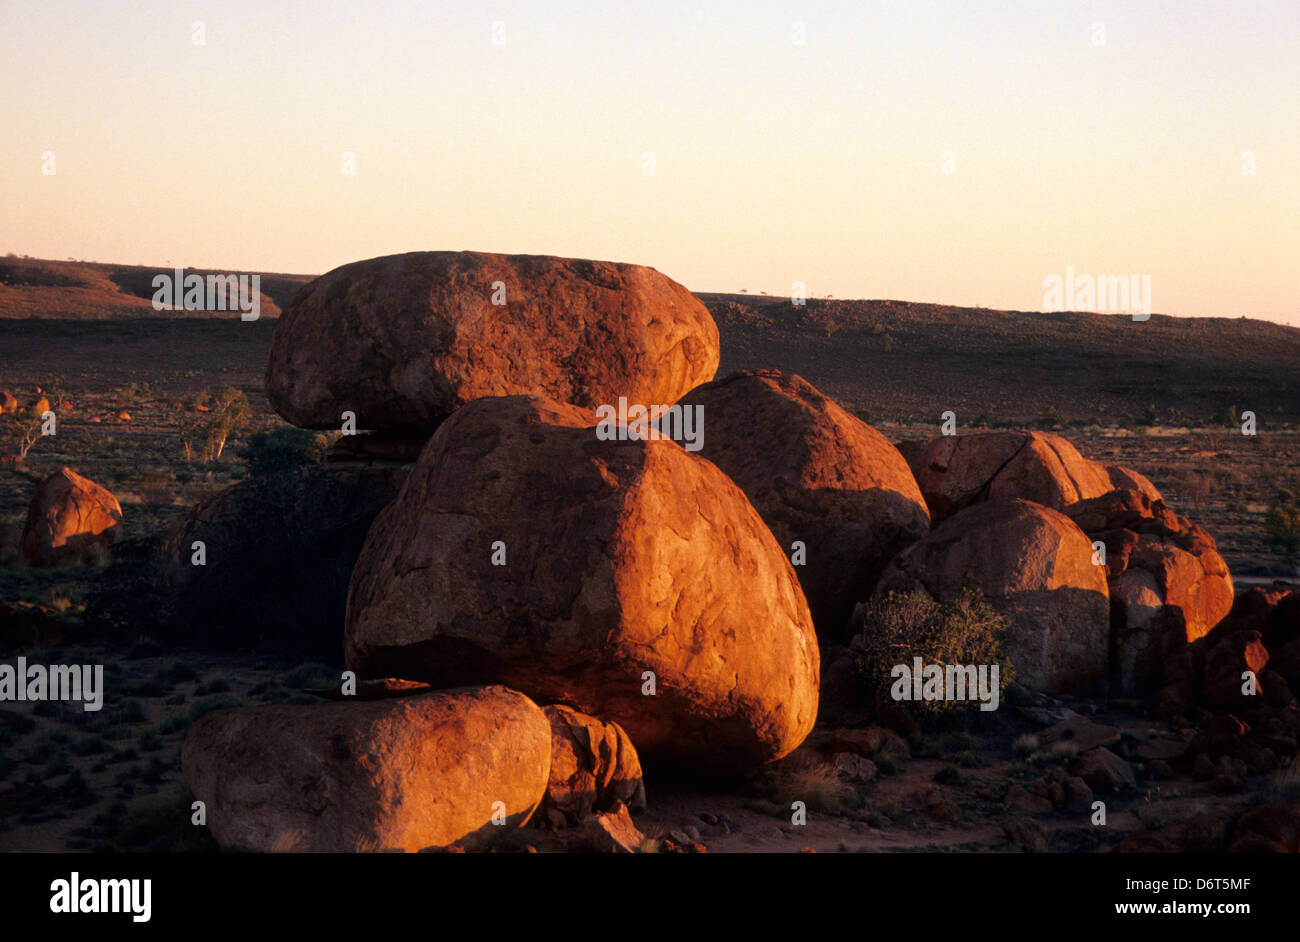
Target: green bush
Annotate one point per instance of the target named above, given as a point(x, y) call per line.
point(283, 450)
point(901, 626)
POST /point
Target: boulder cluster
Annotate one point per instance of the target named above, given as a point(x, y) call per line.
point(531, 609)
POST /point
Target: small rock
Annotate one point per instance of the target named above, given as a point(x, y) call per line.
point(1020, 801)
point(613, 832)
point(1025, 834)
point(1105, 772)
point(1080, 731)
point(864, 742)
point(854, 767)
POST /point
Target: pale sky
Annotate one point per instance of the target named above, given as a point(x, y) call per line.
point(525, 127)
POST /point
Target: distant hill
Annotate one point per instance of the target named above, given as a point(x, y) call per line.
point(35, 287)
point(896, 360)
point(888, 360)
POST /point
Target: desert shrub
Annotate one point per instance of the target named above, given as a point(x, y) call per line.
point(161, 826)
point(1282, 525)
point(283, 450)
point(815, 783)
point(901, 626)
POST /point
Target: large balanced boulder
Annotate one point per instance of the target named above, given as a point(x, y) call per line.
point(70, 521)
point(1035, 567)
point(593, 767)
point(403, 340)
point(267, 561)
point(1168, 583)
point(955, 471)
point(628, 579)
point(820, 477)
point(408, 774)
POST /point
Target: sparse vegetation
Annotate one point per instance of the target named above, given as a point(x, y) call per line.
point(900, 627)
point(283, 450)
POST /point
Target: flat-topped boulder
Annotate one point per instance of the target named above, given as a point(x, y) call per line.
point(410, 773)
point(630, 580)
point(403, 340)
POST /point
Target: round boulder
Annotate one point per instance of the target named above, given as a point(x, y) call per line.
point(403, 340)
point(955, 471)
point(1035, 567)
point(266, 562)
point(820, 477)
point(628, 579)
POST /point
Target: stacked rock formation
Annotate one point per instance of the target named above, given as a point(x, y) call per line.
point(629, 585)
point(533, 604)
point(1115, 547)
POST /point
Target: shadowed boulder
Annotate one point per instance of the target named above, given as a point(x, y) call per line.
point(818, 476)
point(403, 340)
point(1035, 567)
point(1168, 583)
point(278, 553)
point(70, 521)
point(406, 774)
point(619, 565)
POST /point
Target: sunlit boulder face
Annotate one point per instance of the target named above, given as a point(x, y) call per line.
point(407, 774)
point(837, 495)
point(955, 471)
point(403, 340)
point(1035, 567)
point(630, 580)
point(71, 520)
point(1168, 583)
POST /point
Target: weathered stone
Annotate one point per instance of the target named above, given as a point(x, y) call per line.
point(819, 477)
point(407, 773)
point(625, 564)
point(593, 765)
point(70, 521)
point(403, 340)
point(1035, 567)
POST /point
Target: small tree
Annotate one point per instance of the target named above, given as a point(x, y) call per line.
point(230, 414)
point(22, 429)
